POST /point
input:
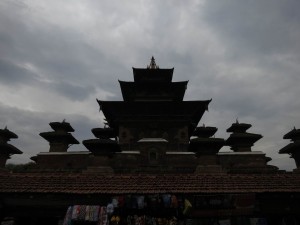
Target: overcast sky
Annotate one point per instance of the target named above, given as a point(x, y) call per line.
point(57, 57)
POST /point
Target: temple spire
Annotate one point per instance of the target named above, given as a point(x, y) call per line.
point(152, 64)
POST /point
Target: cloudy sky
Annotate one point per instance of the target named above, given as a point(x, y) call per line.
point(57, 57)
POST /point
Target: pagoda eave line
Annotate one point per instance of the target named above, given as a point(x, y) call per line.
point(114, 110)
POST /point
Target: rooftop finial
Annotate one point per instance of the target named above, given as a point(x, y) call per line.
point(152, 64)
point(237, 120)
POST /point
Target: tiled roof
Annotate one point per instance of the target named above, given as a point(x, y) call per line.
point(147, 184)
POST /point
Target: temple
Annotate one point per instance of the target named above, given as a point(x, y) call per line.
point(7, 150)
point(293, 149)
point(151, 163)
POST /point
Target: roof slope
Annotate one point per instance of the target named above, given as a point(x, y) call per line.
point(147, 184)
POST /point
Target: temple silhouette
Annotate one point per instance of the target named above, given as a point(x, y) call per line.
point(153, 164)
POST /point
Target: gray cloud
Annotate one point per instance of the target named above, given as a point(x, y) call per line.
point(267, 27)
point(12, 74)
point(57, 57)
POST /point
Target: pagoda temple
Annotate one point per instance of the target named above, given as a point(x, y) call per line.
point(153, 122)
point(153, 130)
point(150, 164)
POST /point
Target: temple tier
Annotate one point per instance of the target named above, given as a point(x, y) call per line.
point(6, 150)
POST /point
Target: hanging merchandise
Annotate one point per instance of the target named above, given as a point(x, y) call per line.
point(187, 207)
point(173, 221)
point(129, 220)
point(150, 220)
point(140, 201)
point(174, 201)
point(134, 209)
point(92, 213)
point(128, 201)
point(82, 212)
point(121, 200)
point(68, 217)
point(114, 220)
point(134, 204)
point(115, 202)
point(153, 201)
point(139, 220)
point(166, 200)
point(180, 201)
point(79, 212)
point(103, 218)
point(110, 208)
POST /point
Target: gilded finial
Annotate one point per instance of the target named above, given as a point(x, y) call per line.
point(152, 64)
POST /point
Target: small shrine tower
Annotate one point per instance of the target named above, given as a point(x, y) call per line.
point(240, 140)
point(205, 146)
point(58, 157)
point(242, 159)
point(103, 145)
point(60, 139)
point(6, 150)
point(293, 149)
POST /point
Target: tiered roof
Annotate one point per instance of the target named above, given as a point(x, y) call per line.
point(166, 91)
point(292, 148)
point(189, 111)
point(205, 143)
point(240, 140)
point(153, 96)
point(60, 138)
point(153, 84)
point(5, 148)
point(103, 145)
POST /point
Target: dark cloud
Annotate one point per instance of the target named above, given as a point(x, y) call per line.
point(73, 92)
point(12, 74)
point(56, 58)
point(267, 27)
